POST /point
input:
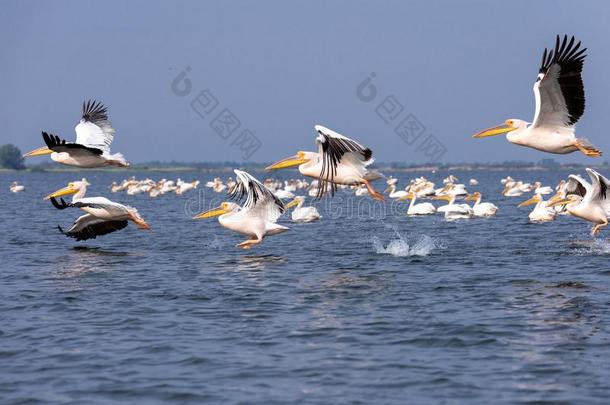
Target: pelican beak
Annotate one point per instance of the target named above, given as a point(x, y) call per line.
point(70, 189)
point(470, 197)
point(214, 212)
point(39, 152)
point(406, 197)
point(292, 203)
point(291, 161)
point(387, 189)
point(533, 200)
point(497, 130)
point(442, 197)
point(558, 201)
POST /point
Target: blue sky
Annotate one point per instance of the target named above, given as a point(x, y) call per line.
point(281, 67)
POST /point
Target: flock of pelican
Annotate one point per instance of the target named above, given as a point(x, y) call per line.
point(343, 163)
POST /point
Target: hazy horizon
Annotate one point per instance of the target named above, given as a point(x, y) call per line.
point(277, 69)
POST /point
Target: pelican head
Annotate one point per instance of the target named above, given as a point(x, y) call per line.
point(296, 160)
point(410, 195)
point(570, 199)
point(224, 208)
point(534, 200)
point(509, 125)
point(298, 200)
point(72, 188)
point(473, 197)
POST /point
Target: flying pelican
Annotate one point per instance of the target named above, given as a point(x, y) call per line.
point(542, 212)
point(339, 160)
point(257, 218)
point(560, 102)
point(481, 209)
point(588, 201)
point(300, 213)
point(102, 215)
point(94, 134)
point(417, 209)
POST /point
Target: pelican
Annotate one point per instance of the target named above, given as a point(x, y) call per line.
point(540, 189)
point(394, 193)
point(481, 209)
point(300, 213)
point(94, 134)
point(339, 160)
point(257, 218)
point(102, 215)
point(542, 212)
point(417, 209)
point(560, 102)
point(16, 187)
point(588, 201)
point(453, 210)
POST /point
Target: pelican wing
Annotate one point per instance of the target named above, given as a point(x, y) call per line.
point(559, 90)
point(578, 186)
point(259, 201)
point(335, 149)
point(94, 129)
point(56, 144)
point(90, 227)
point(600, 186)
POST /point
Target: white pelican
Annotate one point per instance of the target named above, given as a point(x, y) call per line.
point(257, 218)
point(394, 193)
point(542, 212)
point(588, 201)
point(560, 102)
point(453, 210)
point(481, 209)
point(339, 160)
point(102, 215)
point(473, 182)
point(16, 187)
point(540, 189)
point(300, 213)
point(94, 134)
point(182, 186)
point(417, 209)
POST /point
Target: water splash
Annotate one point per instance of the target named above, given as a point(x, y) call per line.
point(597, 247)
point(400, 246)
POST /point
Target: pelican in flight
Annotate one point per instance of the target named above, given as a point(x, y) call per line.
point(102, 215)
point(258, 216)
point(339, 161)
point(588, 201)
point(94, 135)
point(560, 102)
point(300, 213)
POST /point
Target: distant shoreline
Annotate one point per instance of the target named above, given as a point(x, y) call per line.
point(207, 167)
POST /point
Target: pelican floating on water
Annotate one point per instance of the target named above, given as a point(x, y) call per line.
point(560, 102)
point(542, 212)
point(300, 213)
point(258, 216)
point(588, 201)
point(339, 160)
point(417, 209)
point(94, 135)
point(16, 187)
point(102, 215)
point(481, 209)
point(453, 210)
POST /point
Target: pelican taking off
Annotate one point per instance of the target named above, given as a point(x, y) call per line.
point(339, 160)
point(94, 134)
point(258, 216)
point(102, 215)
point(588, 201)
point(560, 102)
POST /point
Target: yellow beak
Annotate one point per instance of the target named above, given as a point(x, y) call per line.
point(497, 130)
point(406, 197)
point(442, 197)
point(470, 197)
point(39, 152)
point(291, 161)
point(292, 203)
point(533, 200)
point(64, 191)
point(560, 201)
point(214, 212)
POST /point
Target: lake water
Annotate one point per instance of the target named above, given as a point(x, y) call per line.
point(364, 306)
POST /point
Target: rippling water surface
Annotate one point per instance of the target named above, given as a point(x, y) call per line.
point(365, 306)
